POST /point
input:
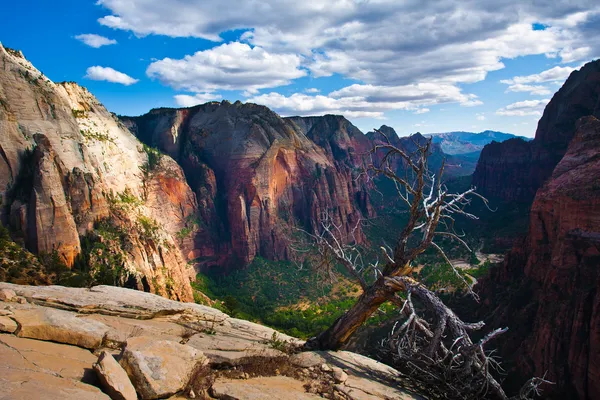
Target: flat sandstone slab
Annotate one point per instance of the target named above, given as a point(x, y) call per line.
point(263, 388)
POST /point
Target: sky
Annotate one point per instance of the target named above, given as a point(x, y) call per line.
point(415, 65)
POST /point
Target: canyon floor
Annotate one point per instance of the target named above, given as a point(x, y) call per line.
point(108, 342)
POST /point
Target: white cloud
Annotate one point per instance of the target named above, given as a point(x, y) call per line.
point(531, 89)
point(185, 100)
point(302, 104)
point(312, 90)
point(366, 100)
point(524, 108)
point(95, 41)
point(108, 74)
point(555, 75)
point(383, 44)
point(480, 116)
point(550, 75)
point(233, 66)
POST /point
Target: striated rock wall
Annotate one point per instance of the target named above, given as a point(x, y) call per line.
point(66, 163)
point(515, 169)
point(548, 291)
point(256, 175)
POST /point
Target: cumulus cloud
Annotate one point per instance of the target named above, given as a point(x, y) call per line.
point(383, 43)
point(556, 74)
point(405, 41)
point(233, 66)
point(480, 117)
point(531, 89)
point(108, 74)
point(302, 104)
point(550, 75)
point(357, 101)
point(312, 90)
point(95, 41)
point(185, 100)
point(524, 108)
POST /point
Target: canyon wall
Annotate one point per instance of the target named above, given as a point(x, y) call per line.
point(258, 176)
point(548, 290)
point(73, 179)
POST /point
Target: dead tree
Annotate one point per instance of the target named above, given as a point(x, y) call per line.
point(438, 349)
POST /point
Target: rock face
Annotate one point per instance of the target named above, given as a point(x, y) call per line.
point(256, 175)
point(548, 291)
point(515, 169)
point(165, 348)
point(68, 166)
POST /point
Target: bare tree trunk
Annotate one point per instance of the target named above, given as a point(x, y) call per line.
point(340, 331)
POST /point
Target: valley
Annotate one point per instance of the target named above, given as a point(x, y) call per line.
point(292, 222)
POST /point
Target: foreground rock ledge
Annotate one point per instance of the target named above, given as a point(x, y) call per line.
point(160, 348)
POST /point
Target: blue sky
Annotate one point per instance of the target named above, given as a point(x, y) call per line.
point(428, 66)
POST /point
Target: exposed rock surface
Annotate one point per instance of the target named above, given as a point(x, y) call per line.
point(159, 368)
point(256, 174)
point(113, 378)
point(263, 388)
point(67, 164)
point(514, 170)
point(548, 291)
point(169, 348)
point(31, 367)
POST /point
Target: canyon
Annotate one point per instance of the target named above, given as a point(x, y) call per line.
point(147, 202)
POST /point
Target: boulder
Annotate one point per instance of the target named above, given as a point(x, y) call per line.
point(7, 325)
point(7, 294)
point(339, 375)
point(113, 378)
point(230, 349)
point(159, 368)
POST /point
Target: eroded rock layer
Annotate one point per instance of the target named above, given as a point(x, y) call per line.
point(257, 176)
point(73, 180)
point(548, 291)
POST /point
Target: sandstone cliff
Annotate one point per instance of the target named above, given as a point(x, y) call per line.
point(75, 181)
point(515, 169)
point(257, 175)
point(548, 291)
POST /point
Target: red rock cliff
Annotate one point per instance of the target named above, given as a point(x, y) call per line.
point(257, 175)
point(548, 291)
point(66, 164)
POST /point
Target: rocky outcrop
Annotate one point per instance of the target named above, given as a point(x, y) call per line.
point(257, 175)
point(515, 169)
point(161, 348)
point(68, 166)
point(548, 291)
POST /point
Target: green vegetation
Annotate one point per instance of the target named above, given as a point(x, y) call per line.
point(153, 160)
point(79, 113)
point(90, 134)
point(148, 229)
point(279, 294)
